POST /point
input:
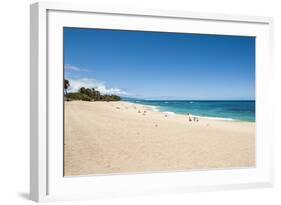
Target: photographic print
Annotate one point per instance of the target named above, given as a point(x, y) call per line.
point(145, 101)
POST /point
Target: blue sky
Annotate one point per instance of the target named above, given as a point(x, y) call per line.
point(154, 65)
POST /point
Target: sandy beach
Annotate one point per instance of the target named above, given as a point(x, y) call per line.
point(122, 137)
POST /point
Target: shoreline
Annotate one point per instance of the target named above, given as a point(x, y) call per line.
point(125, 137)
point(156, 109)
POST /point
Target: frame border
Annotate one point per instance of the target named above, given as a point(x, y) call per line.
point(39, 189)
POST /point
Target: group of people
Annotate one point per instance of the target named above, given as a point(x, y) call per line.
point(144, 112)
point(192, 118)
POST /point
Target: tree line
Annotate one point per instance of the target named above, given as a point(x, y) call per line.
point(87, 94)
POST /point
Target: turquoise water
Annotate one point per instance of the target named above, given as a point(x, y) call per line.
point(225, 110)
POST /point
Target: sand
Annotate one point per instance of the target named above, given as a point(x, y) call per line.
point(122, 137)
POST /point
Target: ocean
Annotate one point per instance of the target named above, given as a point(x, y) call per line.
point(219, 109)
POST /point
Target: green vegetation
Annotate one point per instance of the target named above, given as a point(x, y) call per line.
point(87, 94)
point(77, 96)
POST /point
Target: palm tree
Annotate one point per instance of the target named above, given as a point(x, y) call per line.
point(66, 85)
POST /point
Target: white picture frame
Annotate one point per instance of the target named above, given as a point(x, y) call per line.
point(46, 178)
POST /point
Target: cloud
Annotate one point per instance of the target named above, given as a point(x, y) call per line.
point(76, 84)
point(70, 68)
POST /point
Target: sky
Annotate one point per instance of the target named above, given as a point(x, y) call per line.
point(158, 65)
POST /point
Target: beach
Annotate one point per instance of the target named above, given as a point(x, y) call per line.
point(124, 137)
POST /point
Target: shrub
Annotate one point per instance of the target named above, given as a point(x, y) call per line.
point(87, 94)
point(78, 96)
